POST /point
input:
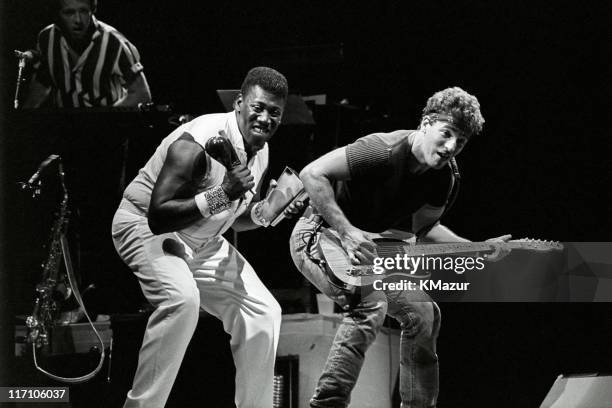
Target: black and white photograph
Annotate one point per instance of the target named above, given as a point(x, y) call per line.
point(305, 204)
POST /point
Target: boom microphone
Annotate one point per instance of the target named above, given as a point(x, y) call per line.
point(31, 56)
point(28, 55)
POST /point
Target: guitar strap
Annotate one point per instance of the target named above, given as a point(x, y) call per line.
point(451, 196)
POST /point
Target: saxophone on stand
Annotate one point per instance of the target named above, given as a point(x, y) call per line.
point(54, 287)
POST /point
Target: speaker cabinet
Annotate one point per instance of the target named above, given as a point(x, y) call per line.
point(310, 337)
point(580, 391)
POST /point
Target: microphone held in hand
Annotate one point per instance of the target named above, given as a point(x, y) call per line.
point(221, 149)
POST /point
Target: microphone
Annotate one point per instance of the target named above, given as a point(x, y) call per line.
point(28, 55)
point(220, 149)
point(23, 57)
point(454, 168)
point(42, 166)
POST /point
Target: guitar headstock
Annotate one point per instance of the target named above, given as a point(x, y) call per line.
point(537, 244)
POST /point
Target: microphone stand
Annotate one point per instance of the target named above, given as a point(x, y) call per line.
point(20, 66)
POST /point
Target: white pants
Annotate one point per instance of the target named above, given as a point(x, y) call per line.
point(178, 278)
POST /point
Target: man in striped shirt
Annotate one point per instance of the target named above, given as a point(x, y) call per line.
point(85, 63)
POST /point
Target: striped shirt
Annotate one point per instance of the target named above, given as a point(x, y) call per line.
point(98, 77)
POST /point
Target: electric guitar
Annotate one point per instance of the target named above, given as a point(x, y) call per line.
point(409, 255)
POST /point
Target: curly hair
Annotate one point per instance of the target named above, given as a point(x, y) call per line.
point(268, 79)
point(93, 4)
point(459, 105)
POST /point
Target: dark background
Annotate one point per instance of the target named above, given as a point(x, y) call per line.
point(540, 169)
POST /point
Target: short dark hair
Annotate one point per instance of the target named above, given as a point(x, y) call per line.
point(462, 108)
point(93, 4)
point(268, 79)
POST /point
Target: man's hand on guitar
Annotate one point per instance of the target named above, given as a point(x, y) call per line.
point(500, 250)
point(359, 246)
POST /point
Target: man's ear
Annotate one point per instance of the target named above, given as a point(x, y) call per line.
point(425, 120)
point(238, 102)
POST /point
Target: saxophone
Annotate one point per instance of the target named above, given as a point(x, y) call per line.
point(53, 288)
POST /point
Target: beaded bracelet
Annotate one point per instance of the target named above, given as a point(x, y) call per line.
point(218, 201)
point(213, 201)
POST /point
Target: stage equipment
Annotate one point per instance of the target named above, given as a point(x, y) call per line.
point(55, 287)
point(580, 391)
point(22, 58)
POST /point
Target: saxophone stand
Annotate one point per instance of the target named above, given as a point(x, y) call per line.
point(52, 287)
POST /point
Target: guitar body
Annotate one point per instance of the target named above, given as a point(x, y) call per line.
point(336, 258)
point(340, 266)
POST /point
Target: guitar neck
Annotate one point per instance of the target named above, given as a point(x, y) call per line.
point(455, 248)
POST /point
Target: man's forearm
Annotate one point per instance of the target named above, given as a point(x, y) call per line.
point(137, 92)
point(173, 215)
point(245, 222)
point(440, 233)
point(322, 198)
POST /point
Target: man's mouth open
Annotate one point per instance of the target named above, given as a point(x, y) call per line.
point(444, 156)
point(260, 130)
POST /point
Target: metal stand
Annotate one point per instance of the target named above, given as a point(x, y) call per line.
point(21, 57)
point(45, 309)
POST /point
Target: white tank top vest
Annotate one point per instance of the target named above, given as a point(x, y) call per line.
point(138, 192)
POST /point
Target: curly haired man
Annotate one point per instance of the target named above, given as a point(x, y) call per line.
point(381, 181)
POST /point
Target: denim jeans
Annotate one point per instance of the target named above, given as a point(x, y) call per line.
point(417, 314)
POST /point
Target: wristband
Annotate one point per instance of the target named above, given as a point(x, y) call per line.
point(257, 215)
point(213, 201)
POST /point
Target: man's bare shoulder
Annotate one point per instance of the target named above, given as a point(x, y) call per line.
point(184, 149)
